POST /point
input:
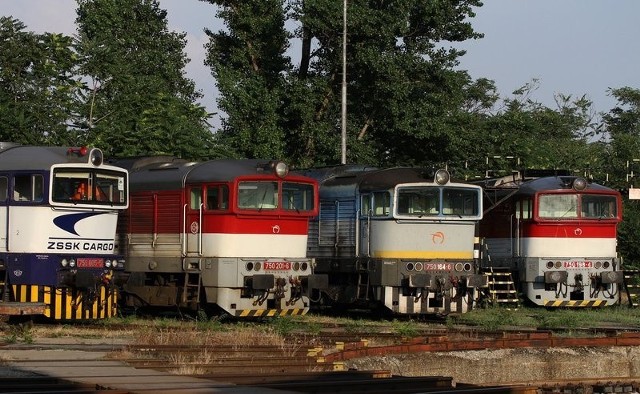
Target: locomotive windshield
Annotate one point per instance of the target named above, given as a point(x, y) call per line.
point(89, 186)
point(264, 195)
point(577, 206)
point(435, 201)
point(258, 195)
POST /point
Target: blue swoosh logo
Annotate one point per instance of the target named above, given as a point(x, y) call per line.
point(68, 222)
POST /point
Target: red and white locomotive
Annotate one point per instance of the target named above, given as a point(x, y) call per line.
point(224, 233)
point(557, 235)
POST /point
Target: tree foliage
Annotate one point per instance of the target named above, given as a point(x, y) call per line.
point(401, 82)
point(622, 126)
point(37, 85)
point(137, 100)
point(248, 63)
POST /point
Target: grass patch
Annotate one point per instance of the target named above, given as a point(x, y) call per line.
point(408, 329)
point(292, 331)
point(492, 318)
point(19, 333)
point(495, 318)
point(354, 326)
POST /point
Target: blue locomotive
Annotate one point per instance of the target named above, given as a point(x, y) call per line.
point(58, 216)
point(399, 239)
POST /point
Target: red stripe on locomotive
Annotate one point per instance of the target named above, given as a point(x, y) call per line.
point(565, 230)
point(166, 217)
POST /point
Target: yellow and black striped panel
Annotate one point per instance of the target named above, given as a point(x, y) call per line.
point(575, 304)
point(271, 312)
point(69, 304)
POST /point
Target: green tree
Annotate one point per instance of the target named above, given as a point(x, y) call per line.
point(37, 85)
point(536, 135)
point(402, 86)
point(622, 125)
point(138, 100)
point(248, 63)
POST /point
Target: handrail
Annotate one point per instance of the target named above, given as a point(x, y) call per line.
point(184, 230)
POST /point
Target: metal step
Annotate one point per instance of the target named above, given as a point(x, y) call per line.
point(632, 287)
point(501, 287)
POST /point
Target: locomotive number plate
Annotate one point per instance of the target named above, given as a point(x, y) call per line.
point(277, 265)
point(90, 263)
point(578, 264)
point(438, 267)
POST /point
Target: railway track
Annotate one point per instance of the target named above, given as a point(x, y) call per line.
point(295, 367)
point(302, 369)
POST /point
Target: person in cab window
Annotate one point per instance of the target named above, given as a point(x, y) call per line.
point(81, 192)
point(99, 194)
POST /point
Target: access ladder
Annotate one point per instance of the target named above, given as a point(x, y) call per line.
point(501, 287)
point(631, 287)
point(362, 289)
point(191, 289)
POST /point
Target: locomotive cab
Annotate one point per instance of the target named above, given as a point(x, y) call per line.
point(58, 252)
point(223, 234)
point(399, 238)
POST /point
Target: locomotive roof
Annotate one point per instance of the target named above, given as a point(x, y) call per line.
point(168, 172)
point(557, 183)
point(15, 157)
point(367, 178)
point(547, 183)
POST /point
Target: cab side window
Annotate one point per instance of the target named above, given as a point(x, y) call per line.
point(217, 197)
point(381, 203)
point(365, 205)
point(523, 209)
point(196, 198)
point(28, 188)
point(4, 188)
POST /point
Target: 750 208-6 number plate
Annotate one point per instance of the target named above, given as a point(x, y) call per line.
point(277, 265)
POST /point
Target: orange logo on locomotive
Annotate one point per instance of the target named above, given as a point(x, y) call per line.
point(437, 237)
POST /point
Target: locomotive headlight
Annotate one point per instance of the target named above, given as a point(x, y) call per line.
point(96, 157)
point(442, 177)
point(605, 264)
point(598, 265)
point(72, 263)
point(458, 267)
point(419, 266)
point(257, 266)
point(64, 263)
point(107, 263)
point(410, 267)
point(281, 169)
point(467, 267)
point(304, 266)
point(549, 264)
point(249, 266)
point(579, 184)
point(558, 264)
point(296, 266)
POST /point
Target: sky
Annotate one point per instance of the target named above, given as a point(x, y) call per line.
point(571, 47)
